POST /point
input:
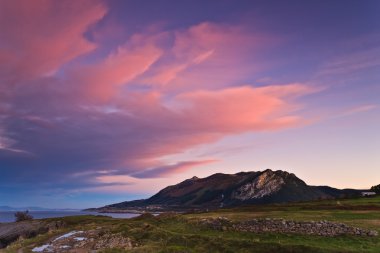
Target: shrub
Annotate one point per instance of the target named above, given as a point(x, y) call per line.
point(376, 188)
point(21, 216)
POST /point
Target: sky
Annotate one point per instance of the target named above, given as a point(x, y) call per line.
point(107, 101)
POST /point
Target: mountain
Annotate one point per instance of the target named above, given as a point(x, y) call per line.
point(31, 208)
point(228, 190)
point(6, 208)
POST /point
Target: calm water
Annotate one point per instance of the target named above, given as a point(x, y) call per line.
point(9, 216)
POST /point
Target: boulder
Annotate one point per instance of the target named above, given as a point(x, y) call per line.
point(10, 232)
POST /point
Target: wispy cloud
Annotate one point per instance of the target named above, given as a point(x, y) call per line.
point(358, 109)
point(364, 54)
point(168, 170)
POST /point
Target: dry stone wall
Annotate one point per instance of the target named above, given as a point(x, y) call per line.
point(321, 228)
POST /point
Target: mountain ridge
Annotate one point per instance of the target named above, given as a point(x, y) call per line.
point(230, 190)
point(6, 208)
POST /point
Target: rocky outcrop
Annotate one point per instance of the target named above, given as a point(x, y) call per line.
point(10, 232)
point(265, 184)
point(321, 228)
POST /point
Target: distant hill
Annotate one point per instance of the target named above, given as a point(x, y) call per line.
point(228, 190)
point(31, 208)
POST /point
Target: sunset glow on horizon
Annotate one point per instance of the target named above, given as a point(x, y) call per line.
point(107, 101)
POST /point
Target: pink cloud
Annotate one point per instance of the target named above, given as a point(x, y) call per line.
point(208, 55)
point(39, 36)
point(102, 79)
point(148, 126)
point(240, 109)
point(162, 128)
point(168, 73)
point(200, 39)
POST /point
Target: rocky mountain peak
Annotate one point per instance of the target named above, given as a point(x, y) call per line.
point(267, 183)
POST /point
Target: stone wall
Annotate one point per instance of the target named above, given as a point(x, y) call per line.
point(321, 228)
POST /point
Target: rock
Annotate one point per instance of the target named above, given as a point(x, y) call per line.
point(113, 241)
point(87, 241)
point(265, 184)
point(10, 232)
point(373, 233)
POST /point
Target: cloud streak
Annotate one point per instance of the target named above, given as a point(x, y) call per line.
point(168, 170)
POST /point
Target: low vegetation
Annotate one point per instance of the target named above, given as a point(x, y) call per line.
point(22, 216)
point(184, 232)
point(376, 188)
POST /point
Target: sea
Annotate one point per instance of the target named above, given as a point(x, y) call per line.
point(8, 216)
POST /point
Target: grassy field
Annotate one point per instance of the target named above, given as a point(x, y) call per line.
point(179, 233)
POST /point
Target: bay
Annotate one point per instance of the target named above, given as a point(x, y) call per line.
point(8, 216)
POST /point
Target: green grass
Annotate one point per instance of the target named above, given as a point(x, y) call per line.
point(179, 233)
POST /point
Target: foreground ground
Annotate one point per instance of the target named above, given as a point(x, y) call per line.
point(185, 233)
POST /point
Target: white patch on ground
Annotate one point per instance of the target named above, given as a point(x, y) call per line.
point(67, 235)
point(48, 247)
point(41, 248)
point(80, 238)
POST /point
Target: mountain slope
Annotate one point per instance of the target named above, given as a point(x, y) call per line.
point(236, 189)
